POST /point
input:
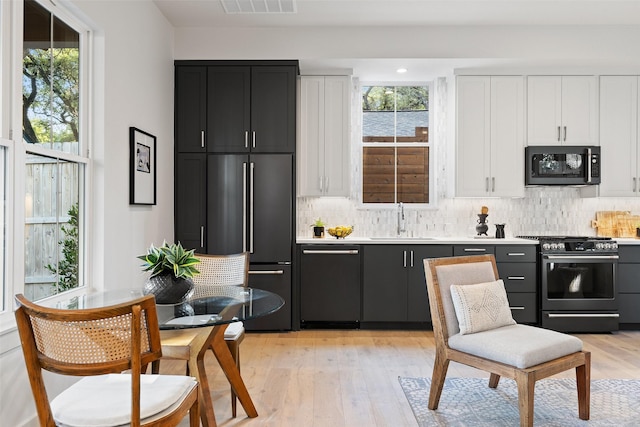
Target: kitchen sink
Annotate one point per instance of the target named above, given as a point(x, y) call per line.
point(393, 239)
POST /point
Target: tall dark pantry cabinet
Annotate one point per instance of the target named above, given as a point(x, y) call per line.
point(235, 127)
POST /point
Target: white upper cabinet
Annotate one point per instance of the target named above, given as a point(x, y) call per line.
point(490, 136)
point(323, 142)
point(562, 110)
point(619, 136)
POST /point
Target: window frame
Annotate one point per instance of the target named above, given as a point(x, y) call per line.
point(432, 150)
point(11, 25)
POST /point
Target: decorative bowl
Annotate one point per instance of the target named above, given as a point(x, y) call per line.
point(341, 231)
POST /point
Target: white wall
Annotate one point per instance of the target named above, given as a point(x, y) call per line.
point(134, 87)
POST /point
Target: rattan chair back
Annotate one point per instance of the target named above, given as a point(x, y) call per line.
point(218, 272)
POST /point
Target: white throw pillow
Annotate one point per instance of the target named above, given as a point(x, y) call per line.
point(481, 306)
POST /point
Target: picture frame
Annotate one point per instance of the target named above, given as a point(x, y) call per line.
point(142, 167)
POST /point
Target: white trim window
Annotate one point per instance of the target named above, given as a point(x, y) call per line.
point(55, 159)
point(396, 160)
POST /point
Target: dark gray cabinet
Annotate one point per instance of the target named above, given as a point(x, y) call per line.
point(329, 283)
point(234, 169)
point(191, 200)
point(517, 268)
point(234, 107)
point(628, 283)
point(394, 286)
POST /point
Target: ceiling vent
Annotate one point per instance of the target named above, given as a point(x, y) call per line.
point(259, 6)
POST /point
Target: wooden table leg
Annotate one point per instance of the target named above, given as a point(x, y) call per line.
point(228, 365)
point(196, 368)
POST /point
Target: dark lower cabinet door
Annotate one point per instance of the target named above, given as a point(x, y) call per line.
point(274, 278)
point(418, 300)
point(191, 201)
point(384, 289)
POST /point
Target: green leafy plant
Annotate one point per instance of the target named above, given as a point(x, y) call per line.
point(170, 259)
point(318, 223)
point(67, 268)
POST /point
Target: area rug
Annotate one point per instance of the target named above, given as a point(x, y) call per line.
point(467, 402)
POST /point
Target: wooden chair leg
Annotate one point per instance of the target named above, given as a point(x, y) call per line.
point(526, 390)
point(583, 383)
point(440, 366)
point(493, 380)
point(234, 348)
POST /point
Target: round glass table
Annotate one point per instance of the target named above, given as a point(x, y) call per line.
point(213, 312)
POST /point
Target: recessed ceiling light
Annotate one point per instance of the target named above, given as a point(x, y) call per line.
point(259, 6)
point(401, 70)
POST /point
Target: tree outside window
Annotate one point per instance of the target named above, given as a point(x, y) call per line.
point(395, 144)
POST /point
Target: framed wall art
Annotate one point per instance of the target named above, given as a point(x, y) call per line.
point(142, 178)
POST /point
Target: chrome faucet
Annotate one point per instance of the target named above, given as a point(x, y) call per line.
point(401, 226)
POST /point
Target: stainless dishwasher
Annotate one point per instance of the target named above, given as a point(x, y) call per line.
point(330, 285)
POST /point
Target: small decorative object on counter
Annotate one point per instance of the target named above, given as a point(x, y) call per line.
point(638, 232)
point(341, 231)
point(482, 226)
point(318, 229)
point(500, 231)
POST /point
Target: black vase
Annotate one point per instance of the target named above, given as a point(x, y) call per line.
point(168, 289)
point(482, 226)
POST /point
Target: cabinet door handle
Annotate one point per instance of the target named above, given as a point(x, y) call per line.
point(202, 236)
point(486, 184)
point(404, 263)
point(326, 184)
point(253, 139)
point(244, 206)
point(516, 308)
point(412, 259)
point(321, 181)
point(587, 315)
point(202, 138)
point(516, 254)
point(565, 134)
point(493, 184)
point(475, 250)
point(515, 278)
point(558, 133)
point(246, 139)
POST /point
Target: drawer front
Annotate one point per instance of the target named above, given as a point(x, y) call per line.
point(518, 276)
point(465, 250)
point(629, 308)
point(524, 307)
point(519, 253)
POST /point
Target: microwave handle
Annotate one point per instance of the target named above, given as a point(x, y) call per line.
point(589, 165)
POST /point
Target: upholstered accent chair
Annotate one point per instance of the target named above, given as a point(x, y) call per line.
point(467, 290)
point(217, 272)
point(100, 344)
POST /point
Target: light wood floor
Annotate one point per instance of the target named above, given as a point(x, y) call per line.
point(318, 378)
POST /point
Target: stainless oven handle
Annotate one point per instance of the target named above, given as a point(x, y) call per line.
point(594, 257)
point(278, 272)
point(558, 315)
point(516, 308)
point(588, 165)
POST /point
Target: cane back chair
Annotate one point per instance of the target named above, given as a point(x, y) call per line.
point(99, 344)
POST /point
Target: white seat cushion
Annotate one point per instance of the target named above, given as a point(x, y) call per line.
point(521, 346)
point(233, 331)
point(105, 400)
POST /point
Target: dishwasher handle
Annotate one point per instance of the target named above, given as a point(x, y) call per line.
point(330, 252)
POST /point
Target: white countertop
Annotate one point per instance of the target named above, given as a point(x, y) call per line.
point(357, 240)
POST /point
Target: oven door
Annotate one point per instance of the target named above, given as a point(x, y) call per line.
point(579, 282)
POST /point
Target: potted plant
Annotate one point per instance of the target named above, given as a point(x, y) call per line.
point(318, 228)
point(172, 268)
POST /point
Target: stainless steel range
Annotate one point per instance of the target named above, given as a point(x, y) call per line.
point(577, 283)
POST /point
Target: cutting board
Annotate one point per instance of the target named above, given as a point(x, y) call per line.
point(616, 223)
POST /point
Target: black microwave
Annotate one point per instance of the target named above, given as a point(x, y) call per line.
point(562, 165)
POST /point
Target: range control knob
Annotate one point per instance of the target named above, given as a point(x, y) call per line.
point(546, 246)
